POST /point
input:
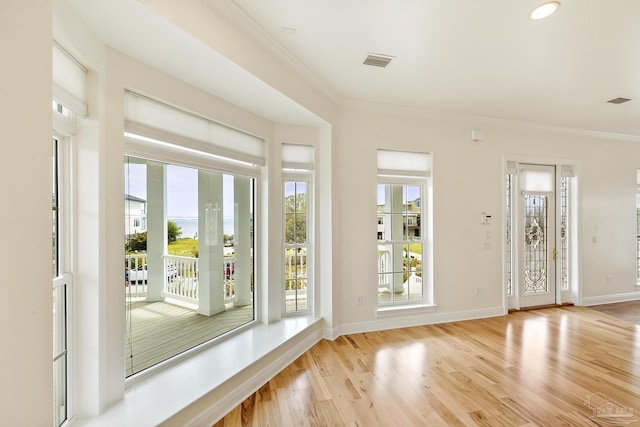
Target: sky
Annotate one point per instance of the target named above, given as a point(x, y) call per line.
point(412, 193)
point(182, 189)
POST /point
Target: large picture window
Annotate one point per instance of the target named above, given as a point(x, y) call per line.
point(189, 274)
point(189, 256)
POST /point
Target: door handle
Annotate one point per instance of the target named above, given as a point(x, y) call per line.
point(554, 254)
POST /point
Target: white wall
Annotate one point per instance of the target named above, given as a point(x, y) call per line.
point(25, 169)
point(468, 180)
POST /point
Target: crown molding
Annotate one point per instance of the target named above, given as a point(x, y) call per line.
point(455, 117)
point(239, 18)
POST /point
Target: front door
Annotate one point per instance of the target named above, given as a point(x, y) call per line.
point(536, 236)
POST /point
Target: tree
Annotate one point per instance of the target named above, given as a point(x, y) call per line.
point(138, 241)
point(295, 223)
point(173, 231)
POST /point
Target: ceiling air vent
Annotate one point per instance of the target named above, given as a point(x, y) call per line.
point(619, 100)
point(376, 60)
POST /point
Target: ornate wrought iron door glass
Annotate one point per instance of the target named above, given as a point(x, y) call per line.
point(564, 243)
point(535, 245)
point(508, 255)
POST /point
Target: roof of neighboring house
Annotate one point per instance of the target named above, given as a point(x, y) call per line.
point(133, 198)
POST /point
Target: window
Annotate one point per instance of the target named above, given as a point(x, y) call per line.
point(403, 252)
point(60, 290)
point(297, 162)
point(62, 278)
point(296, 246)
point(68, 104)
point(189, 258)
point(189, 277)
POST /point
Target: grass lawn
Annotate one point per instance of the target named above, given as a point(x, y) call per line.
point(183, 247)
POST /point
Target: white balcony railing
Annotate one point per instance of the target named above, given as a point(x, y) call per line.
point(181, 277)
point(136, 274)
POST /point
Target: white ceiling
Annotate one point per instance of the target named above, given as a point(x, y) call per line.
point(468, 57)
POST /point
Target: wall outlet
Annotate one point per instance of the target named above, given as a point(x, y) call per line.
point(476, 290)
point(359, 300)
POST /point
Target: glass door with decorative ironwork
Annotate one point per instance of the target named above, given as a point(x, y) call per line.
point(536, 235)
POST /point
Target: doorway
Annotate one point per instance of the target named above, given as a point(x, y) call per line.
point(535, 236)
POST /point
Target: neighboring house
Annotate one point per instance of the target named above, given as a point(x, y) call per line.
point(135, 214)
point(410, 219)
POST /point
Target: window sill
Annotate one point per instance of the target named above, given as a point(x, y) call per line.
point(148, 401)
point(408, 309)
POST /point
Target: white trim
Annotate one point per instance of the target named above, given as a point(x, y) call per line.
point(611, 298)
point(428, 317)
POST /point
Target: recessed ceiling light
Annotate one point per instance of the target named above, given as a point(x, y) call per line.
point(544, 10)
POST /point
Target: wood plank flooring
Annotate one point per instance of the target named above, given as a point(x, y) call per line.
point(530, 368)
point(628, 310)
point(157, 331)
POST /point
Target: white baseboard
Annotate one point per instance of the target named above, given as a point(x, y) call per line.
point(610, 299)
point(409, 321)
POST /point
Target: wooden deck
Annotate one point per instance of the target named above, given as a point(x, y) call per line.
point(159, 330)
point(547, 367)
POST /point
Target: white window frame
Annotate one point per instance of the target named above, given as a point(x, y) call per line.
point(306, 176)
point(425, 223)
point(64, 129)
point(411, 168)
point(148, 143)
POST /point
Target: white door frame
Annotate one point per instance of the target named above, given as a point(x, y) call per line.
point(564, 168)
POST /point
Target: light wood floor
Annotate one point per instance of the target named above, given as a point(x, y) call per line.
point(530, 368)
point(629, 311)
